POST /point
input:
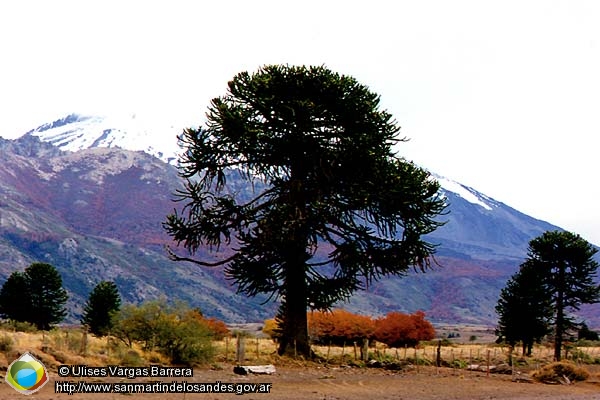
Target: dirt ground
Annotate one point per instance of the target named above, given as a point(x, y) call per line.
point(323, 383)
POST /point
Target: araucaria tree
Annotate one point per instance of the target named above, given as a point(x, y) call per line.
point(555, 280)
point(104, 301)
point(524, 308)
point(42, 299)
point(569, 266)
point(14, 303)
point(328, 205)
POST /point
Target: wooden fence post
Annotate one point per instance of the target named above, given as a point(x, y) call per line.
point(417, 358)
point(257, 349)
point(240, 349)
point(364, 351)
point(84, 340)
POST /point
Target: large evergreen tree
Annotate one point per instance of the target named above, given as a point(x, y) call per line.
point(42, 298)
point(103, 302)
point(332, 206)
point(567, 261)
point(524, 308)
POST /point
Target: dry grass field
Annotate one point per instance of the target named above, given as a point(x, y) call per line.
point(336, 375)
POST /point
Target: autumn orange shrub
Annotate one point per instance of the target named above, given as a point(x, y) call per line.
point(217, 327)
point(339, 326)
point(398, 330)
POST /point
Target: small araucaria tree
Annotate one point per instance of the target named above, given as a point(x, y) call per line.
point(104, 301)
point(524, 308)
point(328, 205)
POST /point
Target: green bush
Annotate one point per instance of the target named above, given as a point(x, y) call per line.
point(176, 331)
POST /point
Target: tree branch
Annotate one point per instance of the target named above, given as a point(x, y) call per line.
point(175, 257)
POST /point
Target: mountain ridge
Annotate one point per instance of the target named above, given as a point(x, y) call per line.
point(96, 212)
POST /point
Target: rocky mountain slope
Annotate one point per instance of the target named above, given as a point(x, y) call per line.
point(96, 213)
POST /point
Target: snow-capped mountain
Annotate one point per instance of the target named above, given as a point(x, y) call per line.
point(97, 213)
point(467, 193)
point(467, 225)
point(77, 132)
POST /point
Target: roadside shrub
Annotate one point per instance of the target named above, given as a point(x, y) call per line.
point(398, 329)
point(176, 331)
point(218, 328)
point(556, 372)
point(185, 338)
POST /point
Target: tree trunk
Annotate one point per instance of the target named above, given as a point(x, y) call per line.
point(558, 333)
point(560, 313)
point(294, 339)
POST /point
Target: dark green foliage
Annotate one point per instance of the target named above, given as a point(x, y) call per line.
point(35, 296)
point(103, 302)
point(562, 270)
point(333, 206)
point(524, 309)
point(48, 297)
point(15, 304)
point(571, 269)
point(585, 333)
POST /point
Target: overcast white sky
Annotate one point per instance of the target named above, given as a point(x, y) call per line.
point(501, 96)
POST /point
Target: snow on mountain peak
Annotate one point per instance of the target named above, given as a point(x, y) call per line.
point(141, 133)
point(467, 193)
point(76, 132)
